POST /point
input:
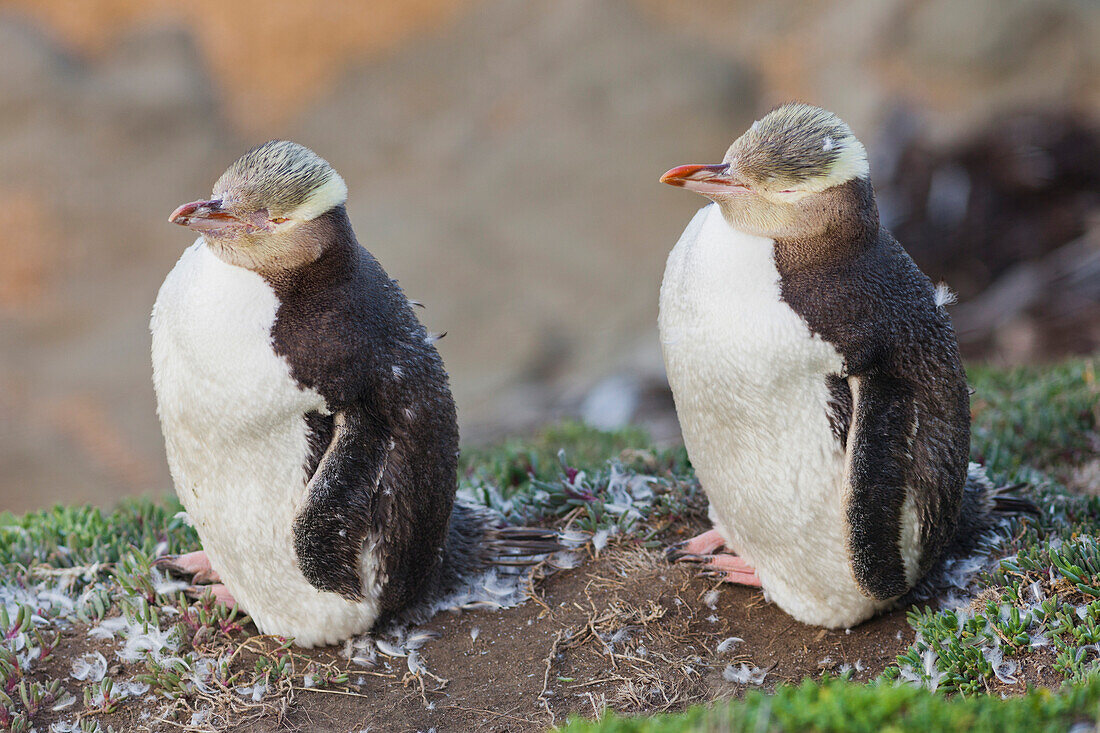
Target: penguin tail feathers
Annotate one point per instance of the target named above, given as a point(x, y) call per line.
point(983, 506)
point(477, 541)
point(482, 562)
point(519, 546)
point(1007, 502)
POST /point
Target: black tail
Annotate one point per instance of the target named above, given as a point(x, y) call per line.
point(476, 542)
point(1008, 503)
point(519, 546)
point(983, 507)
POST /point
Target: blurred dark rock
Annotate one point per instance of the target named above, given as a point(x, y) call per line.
point(1009, 219)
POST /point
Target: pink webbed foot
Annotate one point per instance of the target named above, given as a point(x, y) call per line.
point(218, 590)
point(204, 578)
point(703, 550)
point(703, 544)
point(730, 569)
point(194, 564)
point(191, 562)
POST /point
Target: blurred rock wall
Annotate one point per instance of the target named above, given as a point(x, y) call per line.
point(502, 158)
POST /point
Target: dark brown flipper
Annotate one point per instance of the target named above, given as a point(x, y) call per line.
point(879, 466)
point(334, 520)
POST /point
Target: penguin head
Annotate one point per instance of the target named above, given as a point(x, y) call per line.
point(264, 209)
point(786, 175)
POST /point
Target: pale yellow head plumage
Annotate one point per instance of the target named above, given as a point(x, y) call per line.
point(266, 209)
point(796, 147)
point(289, 180)
point(773, 173)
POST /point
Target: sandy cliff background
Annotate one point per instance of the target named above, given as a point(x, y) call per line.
point(502, 158)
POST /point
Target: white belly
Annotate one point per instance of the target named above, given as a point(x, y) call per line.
point(748, 378)
point(236, 437)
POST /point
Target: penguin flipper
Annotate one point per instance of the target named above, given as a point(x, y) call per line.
point(879, 467)
point(334, 520)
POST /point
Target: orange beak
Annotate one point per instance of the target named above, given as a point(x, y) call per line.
point(707, 179)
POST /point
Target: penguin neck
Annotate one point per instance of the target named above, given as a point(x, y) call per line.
point(333, 233)
point(337, 251)
point(844, 227)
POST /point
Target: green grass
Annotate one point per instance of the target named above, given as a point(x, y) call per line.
point(1044, 418)
point(512, 464)
point(576, 471)
point(847, 707)
point(1031, 425)
point(68, 537)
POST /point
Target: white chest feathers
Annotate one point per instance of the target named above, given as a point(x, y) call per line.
point(236, 439)
point(720, 299)
point(749, 380)
point(212, 343)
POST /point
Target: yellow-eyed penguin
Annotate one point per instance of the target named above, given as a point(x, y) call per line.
point(817, 379)
point(308, 422)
